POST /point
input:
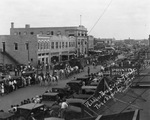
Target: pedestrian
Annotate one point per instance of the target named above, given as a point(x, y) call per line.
point(15, 71)
point(88, 71)
point(93, 64)
point(2, 89)
point(64, 107)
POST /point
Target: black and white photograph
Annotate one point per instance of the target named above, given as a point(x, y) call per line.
point(75, 60)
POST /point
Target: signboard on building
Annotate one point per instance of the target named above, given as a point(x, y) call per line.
point(122, 70)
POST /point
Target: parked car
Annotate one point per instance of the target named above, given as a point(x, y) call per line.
point(31, 109)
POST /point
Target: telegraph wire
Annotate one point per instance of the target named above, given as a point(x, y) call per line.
point(101, 16)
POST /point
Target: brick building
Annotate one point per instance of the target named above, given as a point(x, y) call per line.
point(35, 45)
point(18, 49)
point(79, 32)
point(55, 48)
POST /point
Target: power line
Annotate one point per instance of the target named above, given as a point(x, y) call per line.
point(101, 16)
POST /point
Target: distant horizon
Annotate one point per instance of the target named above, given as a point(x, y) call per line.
point(121, 20)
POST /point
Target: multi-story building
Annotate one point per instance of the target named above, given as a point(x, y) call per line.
point(55, 48)
point(47, 44)
point(36, 48)
point(18, 49)
point(79, 32)
point(90, 42)
point(101, 43)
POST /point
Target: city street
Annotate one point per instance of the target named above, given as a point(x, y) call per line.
point(16, 97)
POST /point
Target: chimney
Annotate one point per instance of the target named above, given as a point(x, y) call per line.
point(12, 24)
point(27, 26)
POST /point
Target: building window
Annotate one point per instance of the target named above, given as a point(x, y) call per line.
point(52, 32)
point(19, 33)
point(41, 33)
point(42, 45)
point(25, 33)
point(52, 45)
point(15, 33)
point(56, 45)
point(31, 33)
point(47, 45)
point(62, 44)
point(39, 54)
point(85, 51)
point(59, 44)
point(71, 35)
point(38, 46)
point(42, 59)
point(27, 46)
point(66, 44)
point(48, 32)
point(78, 34)
point(58, 33)
point(16, 46)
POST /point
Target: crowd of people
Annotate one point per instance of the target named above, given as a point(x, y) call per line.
point(22, 79)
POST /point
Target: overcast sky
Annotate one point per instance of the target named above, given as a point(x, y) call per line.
point(122, 19)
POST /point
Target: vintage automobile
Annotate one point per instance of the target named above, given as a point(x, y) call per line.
point(31, 109)
point(64, 92)
point(74, 110)
point(50, 98)
point(84, 79)
point(51, 101)
point(6, 116)
point(75, 85)
point(85, 92)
